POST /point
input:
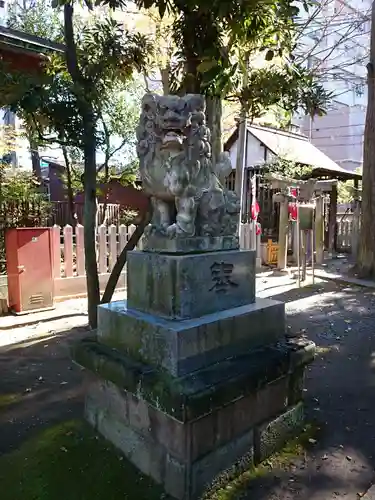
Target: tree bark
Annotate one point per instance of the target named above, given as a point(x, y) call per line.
point(165, 75)
point(366, 253)
point(34, 148)
point(89, 218)
point(83, 89)
point(213, 116)
point(69, 187)
point(35, 158)
point(192, 79)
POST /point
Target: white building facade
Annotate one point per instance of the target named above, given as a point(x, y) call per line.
point(336, 45)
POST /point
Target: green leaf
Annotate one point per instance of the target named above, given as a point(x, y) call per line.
point(207, 65)
point(294, 11)
point(269, 55)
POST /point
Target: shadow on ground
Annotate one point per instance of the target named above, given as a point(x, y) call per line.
point(40, 386)
point(48, 319)
point(340, 396)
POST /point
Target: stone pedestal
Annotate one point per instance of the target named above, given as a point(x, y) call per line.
point(190, 286)
point(193, 376)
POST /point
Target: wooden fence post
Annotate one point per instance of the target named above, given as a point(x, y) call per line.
point(123, 237)
point(68, 251)
point(258, 250)
point(80, 250)
point(112, 236)
point(102, 233)
point(56, 252)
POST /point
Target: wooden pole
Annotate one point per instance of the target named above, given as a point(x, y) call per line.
point(298, 250)
point(283, 234)
point(304, 254)
point(319, 230)
point(356, 221)
point(312, 256)
point(241, 151)
point(332, 221)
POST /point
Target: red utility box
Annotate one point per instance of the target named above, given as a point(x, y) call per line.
point(29, 268)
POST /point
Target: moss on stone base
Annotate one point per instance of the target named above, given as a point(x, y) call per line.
point(189, 397)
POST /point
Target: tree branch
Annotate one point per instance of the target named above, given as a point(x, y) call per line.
point(44, 138)
point(121, 260)
point(108, 153)
point(146, 82)
point(71, 48)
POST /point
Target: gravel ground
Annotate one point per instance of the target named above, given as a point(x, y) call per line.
point(43, 386)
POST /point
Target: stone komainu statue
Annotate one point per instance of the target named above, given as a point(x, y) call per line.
point(186, 190)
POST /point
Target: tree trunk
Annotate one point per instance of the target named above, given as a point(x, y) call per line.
point(89, 218)
point(35, 159)
point(213, 116)
point(69, 187)
point(366, 254)
point(83, 91)
point(192, 80)
point(34, 152)
point(165, 73)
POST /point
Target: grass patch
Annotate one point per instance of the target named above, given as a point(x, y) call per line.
point(323, 350)
point(9, 399)
point(70, 461)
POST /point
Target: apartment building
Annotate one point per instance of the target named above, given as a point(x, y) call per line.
point(335, 43)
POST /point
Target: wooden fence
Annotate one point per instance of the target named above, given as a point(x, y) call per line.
point(108, 213)
point(346, 229)
point(68, 259)
point(249, 240)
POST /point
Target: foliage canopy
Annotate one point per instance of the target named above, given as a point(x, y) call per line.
point(215, 40)
point(107, 55)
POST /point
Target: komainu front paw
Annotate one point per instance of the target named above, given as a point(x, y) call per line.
point(172, 230)
point(176, 230)
point(152, 229)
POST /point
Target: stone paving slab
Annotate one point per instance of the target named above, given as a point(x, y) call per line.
point(342, 278)
point(69, 314)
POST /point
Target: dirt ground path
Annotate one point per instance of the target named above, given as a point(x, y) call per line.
point(39, 385)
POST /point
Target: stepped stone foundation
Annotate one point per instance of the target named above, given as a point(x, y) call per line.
point(192, 377)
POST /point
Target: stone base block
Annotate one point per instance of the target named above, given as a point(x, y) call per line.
point(188, 432)
point(271, 436)
point(190, 286)
point(189, 457)
point(199, 393)
point(185, 346)
point(181, 478)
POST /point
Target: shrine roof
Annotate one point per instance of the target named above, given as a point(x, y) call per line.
point(296, 148)
point(18, 41)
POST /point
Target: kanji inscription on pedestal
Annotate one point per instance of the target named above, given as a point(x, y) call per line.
point(221, 273)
